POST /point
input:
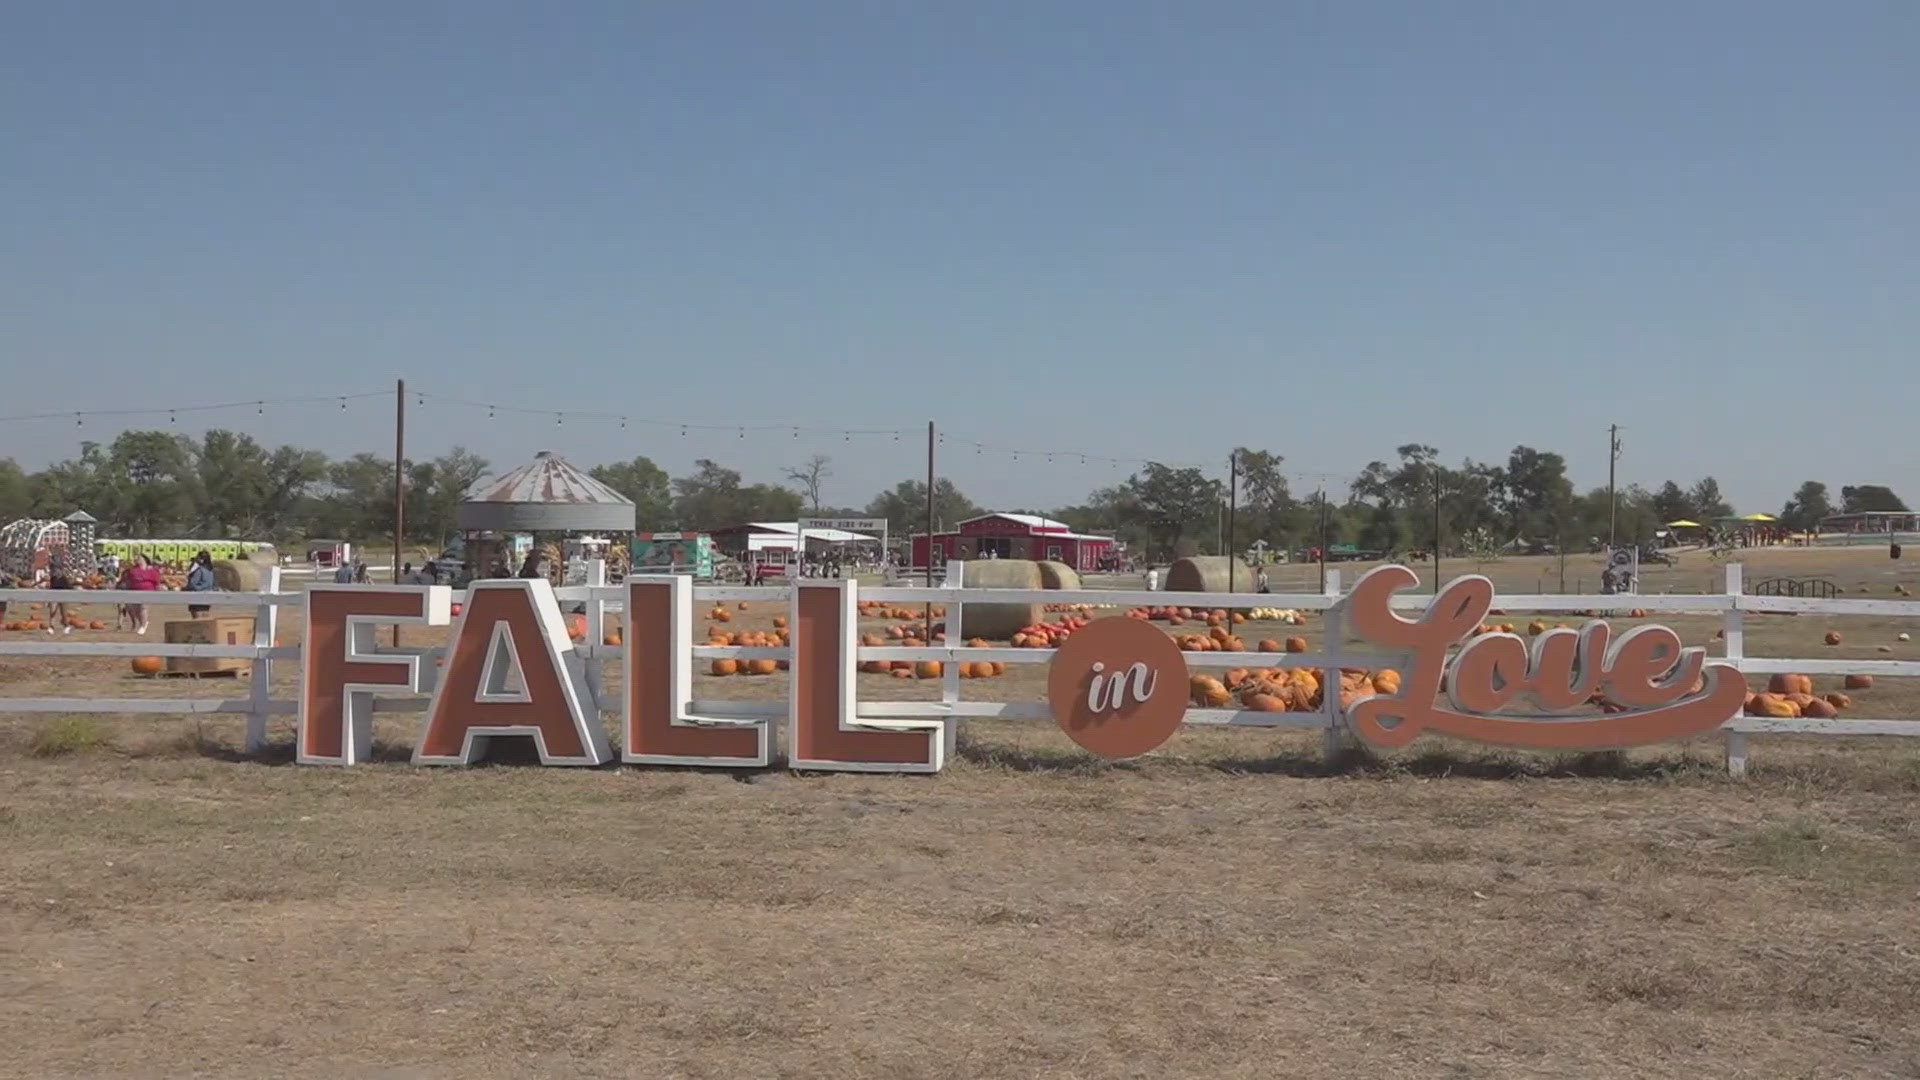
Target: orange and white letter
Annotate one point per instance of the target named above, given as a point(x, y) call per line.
point(339, 669)
point(507, 674)
point(660, 729)
point(824, 731)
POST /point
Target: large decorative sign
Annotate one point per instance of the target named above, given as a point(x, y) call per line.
point(1118, 687)
point(1498, 691)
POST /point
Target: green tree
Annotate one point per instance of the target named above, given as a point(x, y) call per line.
point(1870, 498)
point(1807, 507)
point(16, 496)
point(1266, 505)
point(1707, 501)
point(647, 485)
point(905, 506)
point(1535, 493)
point(1673, 503)
point(1179, 510)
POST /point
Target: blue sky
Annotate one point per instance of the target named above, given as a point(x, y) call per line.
point(1137, 230)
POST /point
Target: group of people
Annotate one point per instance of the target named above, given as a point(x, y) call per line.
point(142, 574)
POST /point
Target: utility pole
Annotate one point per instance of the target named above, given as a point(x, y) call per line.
point(929, 618)
point(1613, 496)
point(1323, 539)
point(1436, 530)
point(399, 482)
point(1233, 482)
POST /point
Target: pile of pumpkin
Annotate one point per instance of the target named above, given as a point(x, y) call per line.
point(1048, 635)
point(750, 639)
point(35, 622)
point(1219, 639)
point(1287, 689)
point(1274, 614)
point(874, 609)
point(1789, 696)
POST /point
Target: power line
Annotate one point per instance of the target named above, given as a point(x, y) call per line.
point(256, 404)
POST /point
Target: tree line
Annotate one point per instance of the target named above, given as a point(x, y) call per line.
point(225, 484)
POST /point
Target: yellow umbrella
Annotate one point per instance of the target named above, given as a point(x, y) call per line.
point(1683, 523)
point(1759, 517)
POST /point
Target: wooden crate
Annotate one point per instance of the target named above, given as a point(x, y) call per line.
point(225, 630)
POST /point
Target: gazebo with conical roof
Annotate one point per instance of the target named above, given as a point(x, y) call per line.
point(545, 499)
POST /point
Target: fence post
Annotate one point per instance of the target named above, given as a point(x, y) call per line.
point(596, 630)
point(950, 674)
point(1733, 625)
point(1334, 738)
point(266, 626)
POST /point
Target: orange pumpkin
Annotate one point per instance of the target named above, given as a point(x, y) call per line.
point(1790, 684)
point(1819, 709)
point(779, 622)
point(722, 615)
point(1859, 682)
point(1262, 702)
point(1833, 637)
point(96, 625)
point(1773, 705)
point(1296, 644)
point(725, 667)
point(1839, 701)
point(762, 667)
point(612, 638)
point(927, 669)
point(147, 665)
point(1269, 645)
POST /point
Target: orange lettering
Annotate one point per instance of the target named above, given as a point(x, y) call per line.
point(507, 674)
point(1646, 668)
point(823, 730)
point(340, 668)
point(659, 659)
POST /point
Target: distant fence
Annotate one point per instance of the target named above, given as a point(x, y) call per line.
point(600, 600)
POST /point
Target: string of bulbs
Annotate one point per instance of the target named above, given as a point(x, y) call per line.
point(561, 416)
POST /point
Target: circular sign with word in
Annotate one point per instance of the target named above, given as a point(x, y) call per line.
point(1118, 687)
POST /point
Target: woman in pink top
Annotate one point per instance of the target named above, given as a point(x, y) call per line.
point(142, 576)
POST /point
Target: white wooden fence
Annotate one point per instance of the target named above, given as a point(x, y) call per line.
point(601, 600)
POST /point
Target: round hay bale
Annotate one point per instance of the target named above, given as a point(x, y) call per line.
point(1208, 573)
point(1058, 575)
point(236, 575)
point(999, 620)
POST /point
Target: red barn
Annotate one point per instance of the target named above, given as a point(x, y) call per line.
point(1015, 536)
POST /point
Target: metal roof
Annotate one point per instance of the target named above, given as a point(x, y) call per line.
point(546, 495)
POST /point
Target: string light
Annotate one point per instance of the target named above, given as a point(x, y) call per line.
point(260, 408)
point(489, 412)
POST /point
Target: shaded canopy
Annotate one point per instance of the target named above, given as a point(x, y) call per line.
point(546, 495)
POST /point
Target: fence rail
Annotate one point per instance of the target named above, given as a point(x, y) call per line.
point(599, 600)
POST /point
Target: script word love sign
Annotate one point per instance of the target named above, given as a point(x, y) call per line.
point(1119, 686)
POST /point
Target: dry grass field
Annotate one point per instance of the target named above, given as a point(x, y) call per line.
point(1232, 906)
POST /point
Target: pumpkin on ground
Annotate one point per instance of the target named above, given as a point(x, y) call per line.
point(147, 665)
point(725, 667)
point(1833, 637)
point(1790, 684)
point(1296, 644)
point(1859, 682)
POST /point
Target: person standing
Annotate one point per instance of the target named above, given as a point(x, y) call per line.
point(1153, 578)
point(57, 612)
point(200, 580)
point(142, 576)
